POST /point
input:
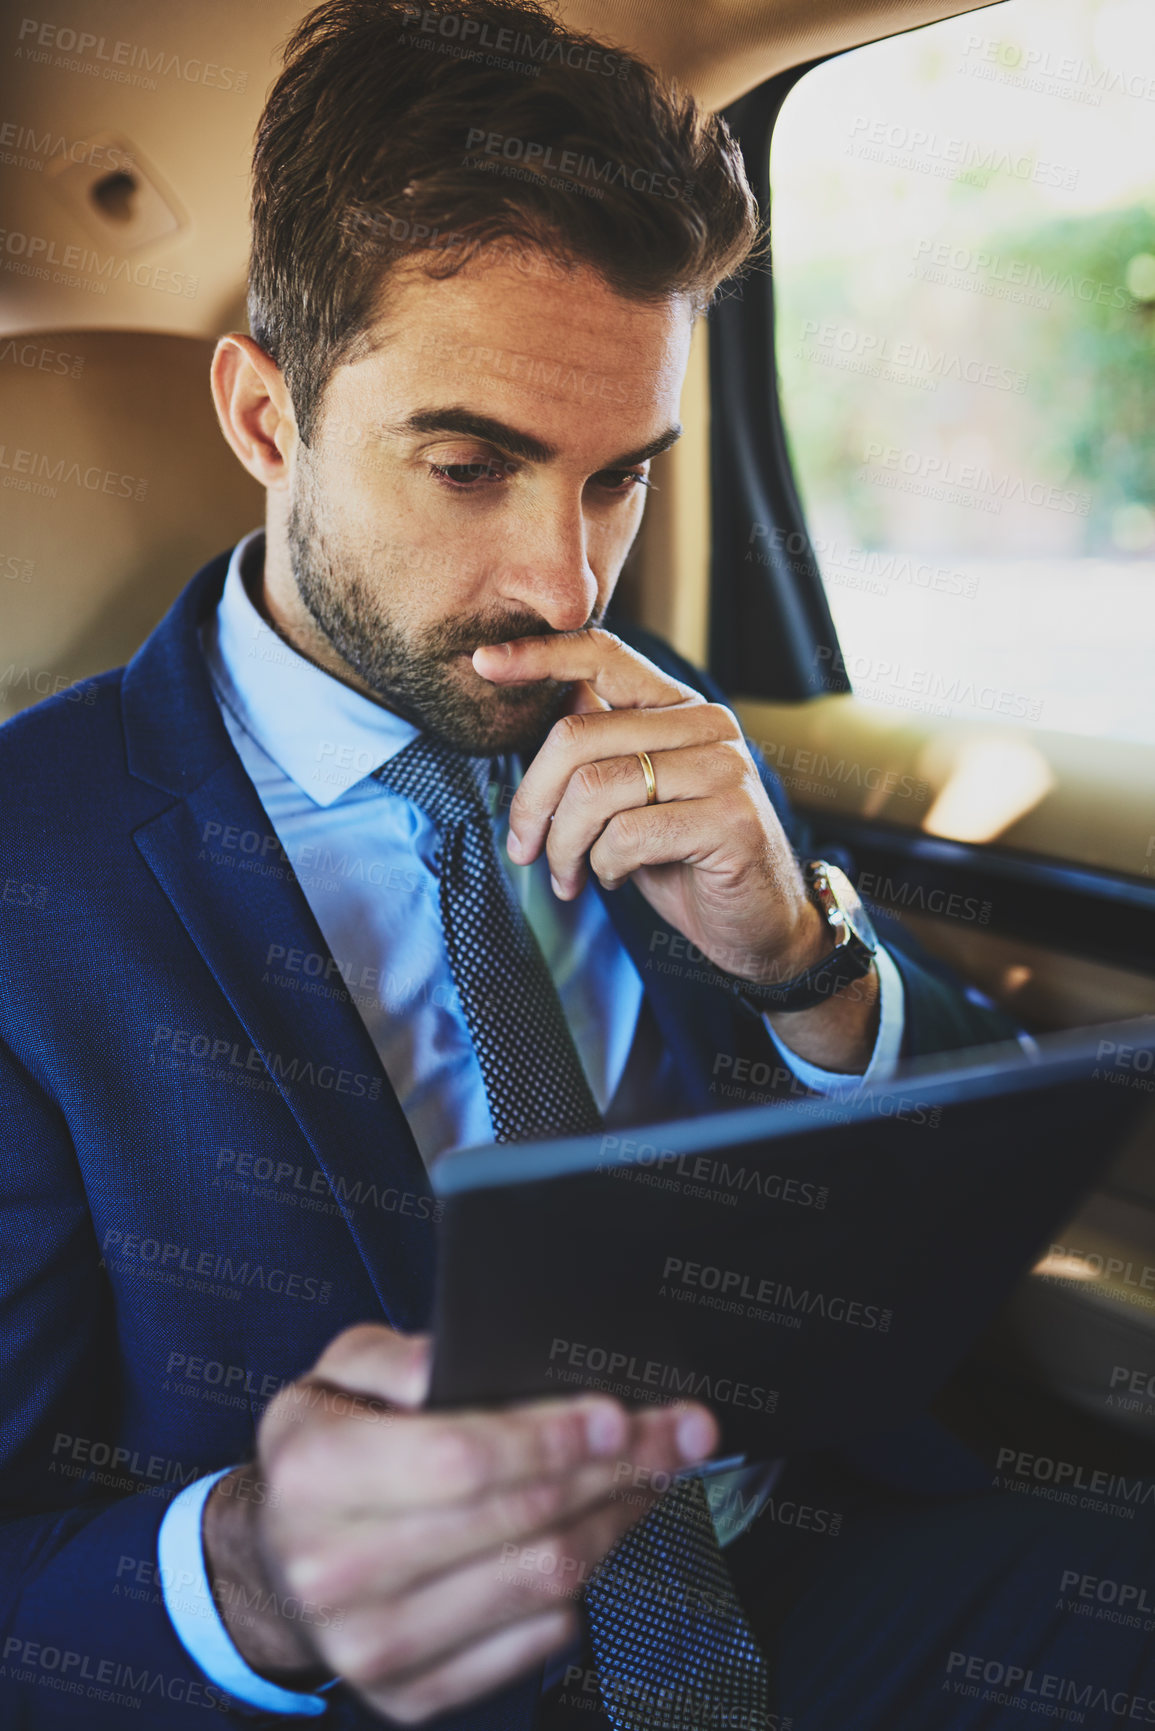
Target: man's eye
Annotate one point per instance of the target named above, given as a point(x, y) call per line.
point(621, 480)
point(466, 475)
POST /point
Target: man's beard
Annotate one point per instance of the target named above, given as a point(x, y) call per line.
point(414, 673)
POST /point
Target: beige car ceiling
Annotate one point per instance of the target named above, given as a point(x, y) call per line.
point(179, 90)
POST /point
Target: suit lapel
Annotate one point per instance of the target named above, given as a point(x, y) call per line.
point(316, 1049)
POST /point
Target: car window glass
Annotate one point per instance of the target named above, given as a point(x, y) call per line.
point(963, 224)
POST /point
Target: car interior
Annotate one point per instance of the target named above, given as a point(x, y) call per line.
point(910, 526)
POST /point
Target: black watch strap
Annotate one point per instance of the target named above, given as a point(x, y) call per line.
point(849, 962)
point(846, 962)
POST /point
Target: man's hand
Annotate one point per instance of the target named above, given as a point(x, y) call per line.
point(446, 1549)
point(710, 856)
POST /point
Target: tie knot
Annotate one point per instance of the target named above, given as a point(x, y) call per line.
point(442, 782)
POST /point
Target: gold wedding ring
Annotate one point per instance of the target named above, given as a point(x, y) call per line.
point(643, 758)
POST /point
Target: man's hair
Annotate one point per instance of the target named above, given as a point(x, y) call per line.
point(428, 132)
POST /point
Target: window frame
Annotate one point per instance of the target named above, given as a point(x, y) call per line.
point(766, 620)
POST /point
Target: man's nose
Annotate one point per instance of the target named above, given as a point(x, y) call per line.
point(547, 570)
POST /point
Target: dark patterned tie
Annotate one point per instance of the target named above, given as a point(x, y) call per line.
point(674, 1651)
point(673, 1648)
point(533, 1077)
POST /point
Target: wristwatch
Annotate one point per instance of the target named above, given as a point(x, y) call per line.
point(855, 945)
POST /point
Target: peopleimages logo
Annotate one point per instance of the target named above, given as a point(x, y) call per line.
point(102, 1679)
point(1139, 1382)
point(902, 359)
point(221, 1055)
point(650, 1379)
point(125, 1252)
point(950, 157)
point(544, 374)
point(1041, 69)
point(964, 481)
point(732, 1288)
point(44, 684)
point(41, 257)
point(879, 680)
point(120, 1460)
point(1072, 1483)
point(1016, 279)
point(570, 165)
point(119, 62)
point(1104, 1591)
point(1116, 1271)
point(853, 566)
point(709, 1174)
point(474, 36)
point(950, 904)
point(41, 472)
point(824, 770)
point(39, 356)
point(24, 147)
point(1023, 1687)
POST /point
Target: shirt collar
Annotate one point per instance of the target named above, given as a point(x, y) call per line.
point(325, 736)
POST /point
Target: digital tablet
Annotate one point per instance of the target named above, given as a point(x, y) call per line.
point(812, 1271)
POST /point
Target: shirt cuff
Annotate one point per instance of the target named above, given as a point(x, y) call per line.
point(194, 1616)
point(887, 1043)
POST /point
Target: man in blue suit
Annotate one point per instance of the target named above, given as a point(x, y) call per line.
point(242, 1010)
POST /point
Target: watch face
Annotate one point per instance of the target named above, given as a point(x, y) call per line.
point(850, 906)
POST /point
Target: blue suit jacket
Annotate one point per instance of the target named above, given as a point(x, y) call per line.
point(142, 1056)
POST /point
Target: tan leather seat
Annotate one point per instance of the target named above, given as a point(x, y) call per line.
point(115, 485)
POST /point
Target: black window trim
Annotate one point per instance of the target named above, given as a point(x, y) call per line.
point(1104, 916)
point(768, 608)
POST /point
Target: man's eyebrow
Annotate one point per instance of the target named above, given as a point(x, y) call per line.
point(531, 449)
point(653, 449)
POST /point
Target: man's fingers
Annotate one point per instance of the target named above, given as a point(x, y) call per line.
point(377, 1360)
point(584, 700)
point(342, 1553)
point(390, 1461)
point(478, 1670)
point(343, 1468)
point(583, 739)
point(364, 1371)
point(384, 1555)
point(614, 671)
point(393, 1638)
point(668, 1438)
point(688, 832)
point(598, 791)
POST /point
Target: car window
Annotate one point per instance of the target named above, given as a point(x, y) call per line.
point(963, 228)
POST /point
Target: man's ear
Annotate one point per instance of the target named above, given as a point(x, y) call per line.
point(254, 408)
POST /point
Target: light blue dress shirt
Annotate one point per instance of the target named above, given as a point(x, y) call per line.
point(364, 859)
